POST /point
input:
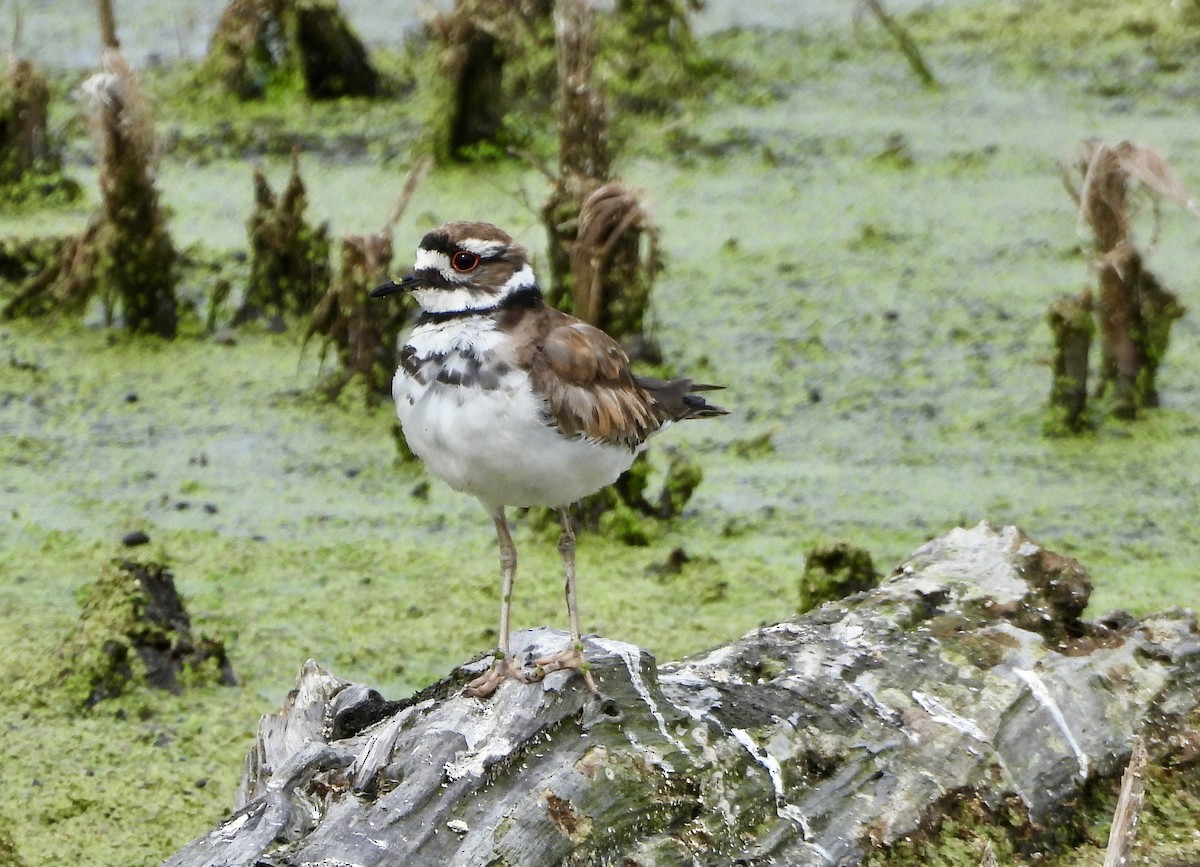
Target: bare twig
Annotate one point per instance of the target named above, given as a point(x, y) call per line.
point(904, 41)
point(411, 181)
point(108, 25)
point(1129, 807)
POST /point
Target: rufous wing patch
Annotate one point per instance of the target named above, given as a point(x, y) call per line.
point(585, 378)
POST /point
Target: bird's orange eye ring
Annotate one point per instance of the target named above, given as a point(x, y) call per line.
point(464, 261)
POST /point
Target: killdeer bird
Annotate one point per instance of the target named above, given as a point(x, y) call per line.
point(518, 404)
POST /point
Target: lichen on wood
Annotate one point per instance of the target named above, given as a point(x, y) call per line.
point(965, 685)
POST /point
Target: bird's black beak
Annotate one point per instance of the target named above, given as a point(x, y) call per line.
point(409, 281)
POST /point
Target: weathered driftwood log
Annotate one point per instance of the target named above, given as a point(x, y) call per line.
point(966, 674)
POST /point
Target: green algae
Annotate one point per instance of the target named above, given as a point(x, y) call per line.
point(879, 326)
point(1166, 831)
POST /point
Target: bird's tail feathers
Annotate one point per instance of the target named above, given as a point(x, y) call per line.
point(678, 399)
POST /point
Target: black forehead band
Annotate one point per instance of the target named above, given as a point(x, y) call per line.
point(438, 241)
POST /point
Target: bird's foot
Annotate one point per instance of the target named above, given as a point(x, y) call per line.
point(570, 658)
point(488, 682)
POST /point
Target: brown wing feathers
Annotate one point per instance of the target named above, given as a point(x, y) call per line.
point(585, 379)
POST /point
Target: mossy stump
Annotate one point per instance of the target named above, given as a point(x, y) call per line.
point(265, 45)
point(655, 59)
point(496, 63)
point(362, 335)
point(1134, 311)
point(135, 629)
point(30, 167)
point(125, 255)
point(24, 108)
point(833, 572)
point(1071, 323)
point(289, 257)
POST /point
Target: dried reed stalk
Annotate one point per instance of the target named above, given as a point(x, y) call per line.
point(1129, 807)
point(599, 270)
point(583, 146)
point(904, 41)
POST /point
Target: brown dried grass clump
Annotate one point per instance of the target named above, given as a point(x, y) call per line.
point(611, 274)
point(1133, 310)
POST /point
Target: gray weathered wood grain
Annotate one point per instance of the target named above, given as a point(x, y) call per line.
point(967, 672)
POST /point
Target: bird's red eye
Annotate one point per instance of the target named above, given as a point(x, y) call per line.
point(464, 261)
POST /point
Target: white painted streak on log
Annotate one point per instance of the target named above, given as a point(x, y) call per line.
point(631, 655)
point(775, 772)
point(938, 712)
point(1046, 700)
point(487, 738)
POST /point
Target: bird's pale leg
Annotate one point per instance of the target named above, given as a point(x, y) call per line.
point(572, 657)
point(486, 684)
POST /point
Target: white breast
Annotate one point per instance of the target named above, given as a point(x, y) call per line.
point(495, 443)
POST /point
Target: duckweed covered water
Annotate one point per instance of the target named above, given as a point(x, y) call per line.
point(866, 266)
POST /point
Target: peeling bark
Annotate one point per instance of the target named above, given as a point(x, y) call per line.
point(968, 673)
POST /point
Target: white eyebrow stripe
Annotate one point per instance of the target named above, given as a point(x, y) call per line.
point(481, 248)
point(431, 259)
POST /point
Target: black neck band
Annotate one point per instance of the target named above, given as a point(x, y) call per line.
point(526, 296)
